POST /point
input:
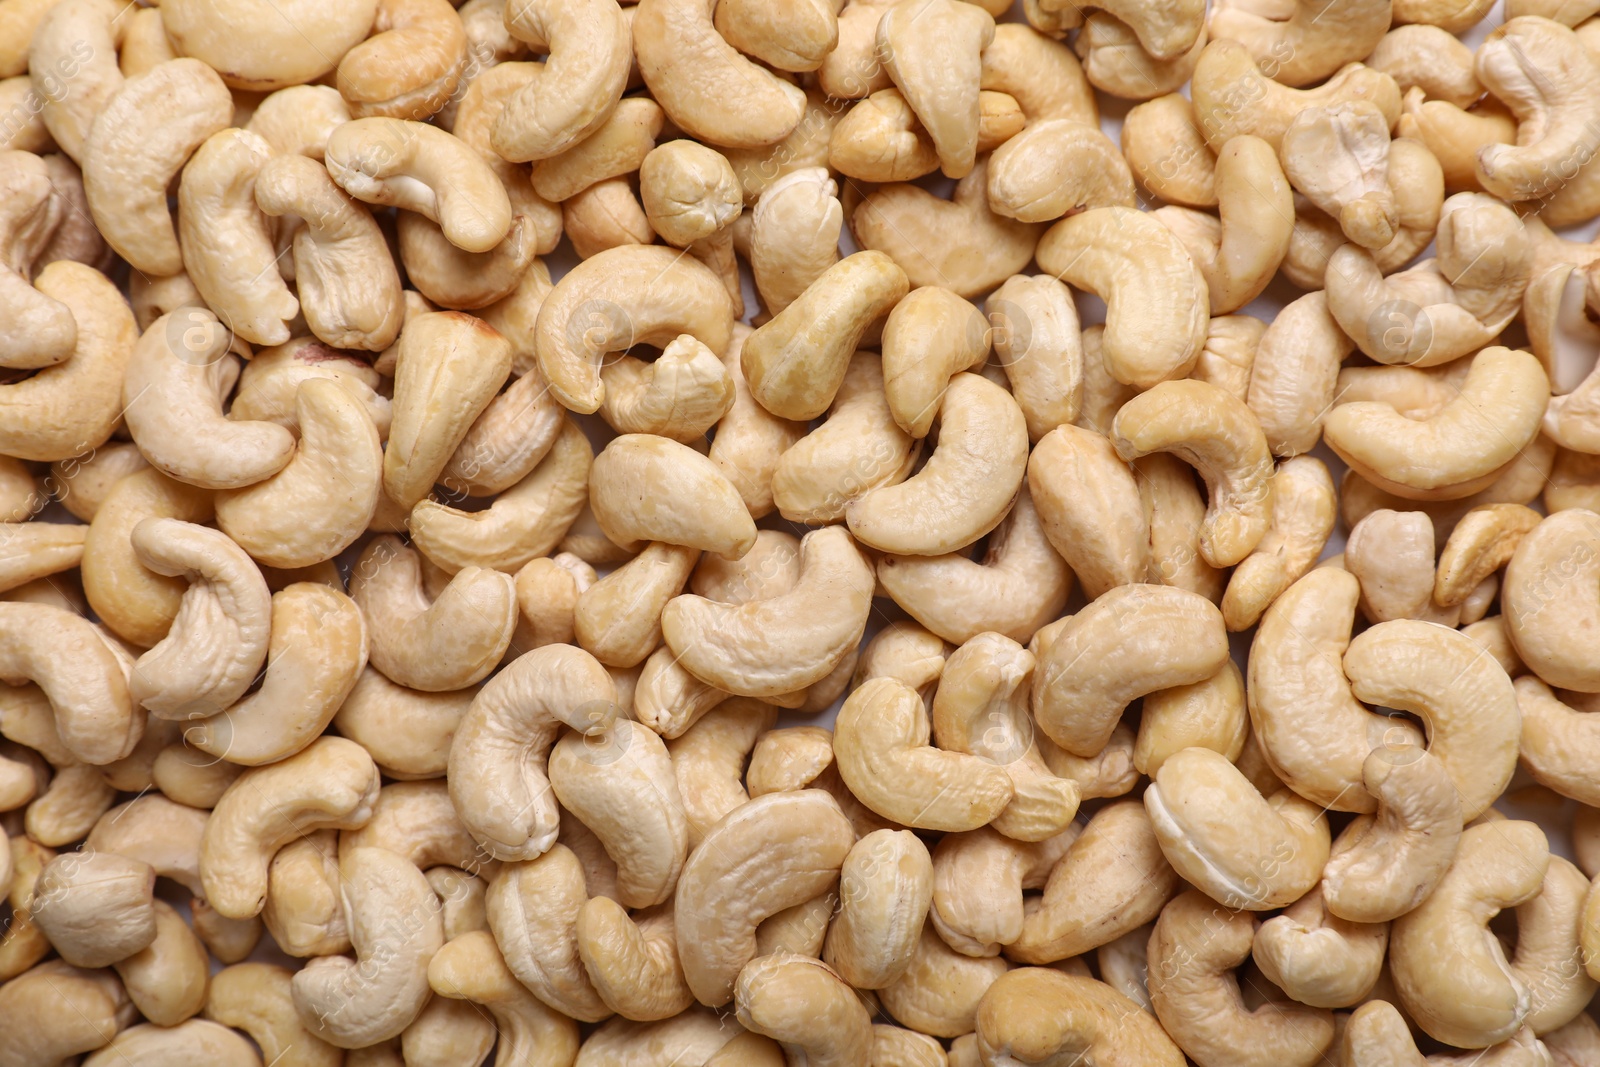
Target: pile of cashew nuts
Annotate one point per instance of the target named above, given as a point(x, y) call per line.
point(787, 632)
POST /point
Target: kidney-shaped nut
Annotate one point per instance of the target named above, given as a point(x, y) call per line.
point(1026, 180)
point(1318, 958)
point(1478, 1000)
point(688, 191)
point(797, 361)
point(774, 852)
point(885, 887)
point(734, 647)
point(1200, 803)
point(1537, 67)
point(1090, 508)
point(137, 145)
point(1193, 950)
point(192, 1043)
point(680, 396)
point(588, 48)
point(1549, 599)
point(95, 907)
point(932, 51)
point(930, 336)
point(1216, 433)
point(45, 332)
point(84, 680)
point(619, 298)
point(1156, 298)
point(648, 488)
point(882, 743)
point(1304, 508)
point(1036, 1015)
point(255, 998)
point(1381, 867)
point(502, 743)
point(332, 783)
point(1133, 640)
point(1457, 451)
point(708, 89)
point(438, 644)
point(395, 928)
point(802, 1004)
point(980, 459)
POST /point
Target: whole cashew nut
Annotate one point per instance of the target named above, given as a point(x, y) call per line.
point(1034, 1015)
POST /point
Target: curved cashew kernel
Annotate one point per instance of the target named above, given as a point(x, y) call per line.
point(1035, 1015)
point(416, 820)
point(794, 235)
point(885, 887)
point(689, 191)
point(1454, 136)
point(929, 337)
point(193, 1043)
point(255, 998)
point(620, 298)
point(707, 88)
point(857, 448)
point(137, 145)
point(1021, 584)
point(619, 782)
point(796, 363)
point(880, 140)
point(1090, 508)
point(1555, 740)
point(981, 458)
point(524, 522)
point(1272, 864)
point(1320, 959)
point(266, 48)
point(618, 619)
point(172, 395)
point(605, 215)
point(1457, 451)
point(583, 77)
point(447, 1031)
point(348, 287)
point(167, 979)
point(1041, 74)
point(84, 483)
point(1303, 511)
point(1217, 434)
point(670, 700)
point(448, 643)
point(1382, 868)
point(708, 760)
point(632, 964)
point(470, 967)
point(34, 550)
point(1550, 956)
point(1548, 599)
point(1232, 95)
point(45, 332)
point(1479, 999)
point(298, 120)
point(84, 680)
point(95, 907)
point(332, 783)
point(1116, 63)
point(617, 148)
point(1430, 58)
point(985, 683)
point(507, 441)
point(750, 441)
point(395, 927)
point(450, 366)
point(728, 885)
point(154, 830)
point(704, 510)
point(324, 498)
point(796, 38)
point(270, 381)
point(1481, 543)
point(1156, 297)
point(410, 67)
point(76, 41)
point(218, 640)
point(1024, 179)
point(800, 929)
point(1193, 949)
point(226, 240)
point(408, 732)
point(822, 617)
point(304, 912)
point(931, 50)
point(679, 396)
point(1543, 73)
point(881, 742)
point(803, 1005)
point(423, 169)
point(1294, 380)
point(927, 235)
point(1317, 38)
point(1167, 152)
point(1239, 255)
point(903, 651)
point(501, 745)
point(453, 278)
point(1123, 645)
point(1314, 733)
point(1110, 880)
point(1209, 714)
point(1038, 344)
point(940, 992)
point(978, 883)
